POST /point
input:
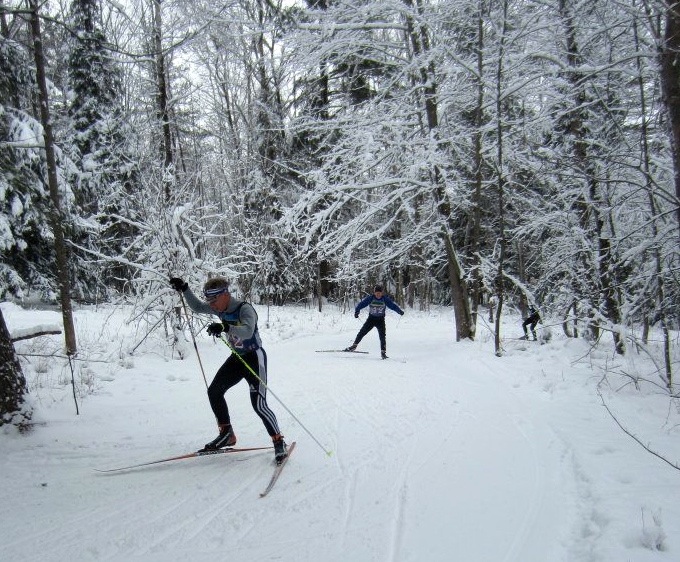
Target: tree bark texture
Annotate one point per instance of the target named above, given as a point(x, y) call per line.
point(670, 85)
point(55, 210)
point(12, 383)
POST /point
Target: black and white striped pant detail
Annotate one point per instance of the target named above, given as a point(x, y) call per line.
point(232, 372)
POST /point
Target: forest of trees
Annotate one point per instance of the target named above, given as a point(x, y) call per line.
point(480, 154)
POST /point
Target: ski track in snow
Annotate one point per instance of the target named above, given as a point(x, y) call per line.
point(196, 527)
point(381, 439)
point(403, 431)
point(438, 455)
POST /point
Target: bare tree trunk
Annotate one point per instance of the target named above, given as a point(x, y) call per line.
point(651, 186)
point(459, 294)
point(13, 409)
point(670, 84)
point(501, 183)
point(322, 285)
point(566, 327)
point(465, 329)
point(162, 99)
point(587, 208)
point(4, 28)
point(53, 183)
point(522, 274)
point(478, 178)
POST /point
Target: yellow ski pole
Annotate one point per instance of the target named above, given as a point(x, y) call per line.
point(226, 342)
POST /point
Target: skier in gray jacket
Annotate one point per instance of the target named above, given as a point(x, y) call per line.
point(238, 320)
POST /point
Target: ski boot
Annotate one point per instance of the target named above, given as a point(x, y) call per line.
point(226, 438)
point(280, 448)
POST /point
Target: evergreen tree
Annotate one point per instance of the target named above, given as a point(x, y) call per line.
point(98, 138)
point(26, 244)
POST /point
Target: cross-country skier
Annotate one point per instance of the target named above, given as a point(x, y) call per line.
point(376, 303)
point(239, 323)
point(531, 321)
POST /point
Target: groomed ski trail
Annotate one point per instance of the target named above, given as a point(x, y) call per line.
point(405, 438)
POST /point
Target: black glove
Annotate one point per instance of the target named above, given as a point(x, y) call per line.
point(401, 313)
point(215, 329)
point(356, 315)
point(179, 284)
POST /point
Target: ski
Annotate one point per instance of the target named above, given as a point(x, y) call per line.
point(201, 453)
point(277, 471)
point(338, 351)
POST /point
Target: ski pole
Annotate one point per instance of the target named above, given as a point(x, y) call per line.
point(193, 338)
point(226, 342)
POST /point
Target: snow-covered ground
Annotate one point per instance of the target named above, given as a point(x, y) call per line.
point(442, 452)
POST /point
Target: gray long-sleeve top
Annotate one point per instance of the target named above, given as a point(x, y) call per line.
point(239, 320)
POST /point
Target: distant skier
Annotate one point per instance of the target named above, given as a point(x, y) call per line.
point(531, 321)
point(377, 302)
point(239, 322)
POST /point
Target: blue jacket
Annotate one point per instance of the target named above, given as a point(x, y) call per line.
point(376, 307)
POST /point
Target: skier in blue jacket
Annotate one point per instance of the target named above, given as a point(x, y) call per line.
point(376, 303)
